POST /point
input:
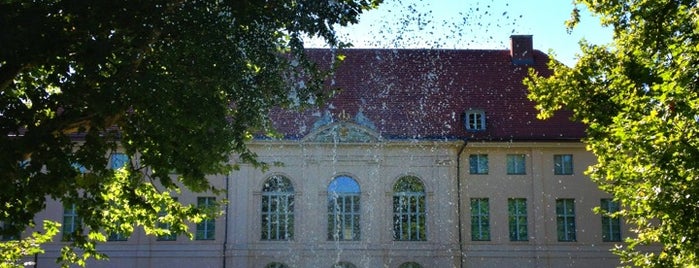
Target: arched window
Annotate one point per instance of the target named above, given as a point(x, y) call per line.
point(276, 265)
point(277, 209)
point(409, 210)
point(343, 264)
point(343, 209)
point(410, 265)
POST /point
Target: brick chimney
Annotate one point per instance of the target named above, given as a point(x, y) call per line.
point(521, 49)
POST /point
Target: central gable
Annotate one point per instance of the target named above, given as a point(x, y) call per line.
point(341, 132)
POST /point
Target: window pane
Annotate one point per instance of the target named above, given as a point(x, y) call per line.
point(118, 160)
point(277, 209)
point(276, 265)
point(478, 163)
point(409, 210)
point(565, 219)
point(611, 227)
point(117, 237)
point(6, 237)
point(14, 235)
point(563, 164)
point(344, 265)
point(517, 208)
point(206, 228)
point(516, 164)
point(409, 184)
point(343, 209)
point(344, 184)
point(410, 265)
point(278, 184)
point(332, 226)
point(480, 219)
point(474, 120)
point(70, 220)
point(355, 228)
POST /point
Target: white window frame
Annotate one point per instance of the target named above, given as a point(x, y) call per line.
point(474, 120)
point(70, 221)
point(480, 219)
point(563, 164)
point(517, 220)
point(206, 229)
point(409, 210)
point(565, 220)
point(478, 164)
point(611, 227)
point(277, 224)
point(516, 164)
point(343, 224)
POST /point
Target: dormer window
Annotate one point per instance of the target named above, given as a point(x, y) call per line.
point(474, 120)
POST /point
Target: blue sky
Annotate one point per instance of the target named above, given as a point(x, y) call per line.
point(475, 24)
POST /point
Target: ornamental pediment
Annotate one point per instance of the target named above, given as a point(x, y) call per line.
point(331, 131)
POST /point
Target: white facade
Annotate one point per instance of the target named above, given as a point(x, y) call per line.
point(376, 166)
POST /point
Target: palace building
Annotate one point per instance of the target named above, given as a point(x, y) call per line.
point(425, 158)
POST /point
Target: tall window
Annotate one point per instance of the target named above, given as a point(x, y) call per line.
point(343, 264)
point(478, 163)
point(118, 160)
point(517, 217)
point(410, 265)
point(480, 219)
point(409, 209)
point(343, 209)
point(276, 265)
point(474, 120)
point(611, 226)
point(563, 164)
point(207, 227)
point(163, 225)
point(516, 164)
point(565, 219)
point(10, 235)
point(117, 236)
point(277, 209)
point(71, 221)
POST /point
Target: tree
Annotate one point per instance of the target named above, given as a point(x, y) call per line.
point(639, 98)
point(178, 86)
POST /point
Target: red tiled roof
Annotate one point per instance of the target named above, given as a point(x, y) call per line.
point(423, 94)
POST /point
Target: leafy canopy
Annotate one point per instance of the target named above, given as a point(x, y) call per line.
point(178, 86)
point(639, 97)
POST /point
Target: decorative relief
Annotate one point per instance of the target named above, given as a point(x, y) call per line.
point(326, 129)
point(342, 132)
point(444, 162)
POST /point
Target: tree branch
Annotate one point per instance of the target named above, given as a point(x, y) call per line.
point(8, 72)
